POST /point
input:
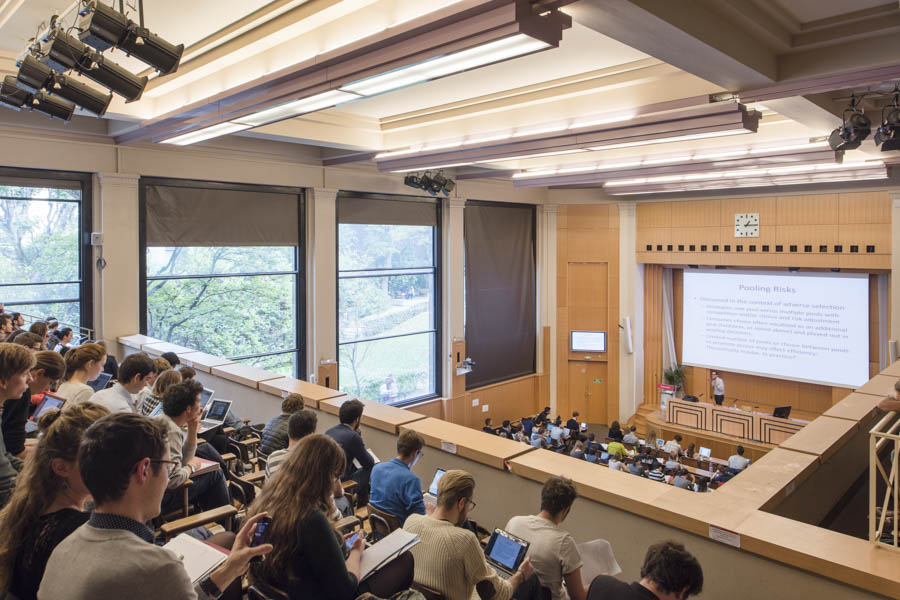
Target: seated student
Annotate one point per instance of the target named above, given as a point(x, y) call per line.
point(134, 372)
point(505, 430)
point(6, 326)
point(32, 341)
point(394, 488)
point(543, 416)
point(48, 502)
point(616, 463)
point(615, 432)
point(187, 372)
point(164, 381)
point(552, 550)
point(527, 426)
point(40, 329)
point(673, 445)
point(631, 437)
point(171, 358)
point(634, 466)
point(518, 434)
point(690, 450)
point(301, 424)
point(83, 364)
point(617, 449)
point(683, 480)
point(556, 430)
point(123, 461)
point(537, 436)
point(52, 328)
point(737, 461)
point(672, 463)
point(347, 435)
point(49, 368)
point(275, 435)
point(62, 340)
point(656, 472)
point(488, 427)
point(669, 572)
point(572, 423)
point(308, 561)
point(140, 398)
point(181, 406)
point(577, 450)
point(16, 363)
point(721, 475)
point(449, 558)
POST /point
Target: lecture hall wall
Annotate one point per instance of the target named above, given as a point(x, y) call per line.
point(813, 223)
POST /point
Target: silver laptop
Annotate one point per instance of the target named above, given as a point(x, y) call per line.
point(205, 396)
point(215, 416)
point(505, 552)
point(431, 494)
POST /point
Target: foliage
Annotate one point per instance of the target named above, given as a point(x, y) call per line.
point(674, 376)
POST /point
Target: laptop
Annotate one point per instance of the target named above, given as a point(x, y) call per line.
point(205, 396)
point(49, 402)
point(505, 552)
point(431, 494)
point(215, 416)
point(660, 443)
point(704, 452)
point(604, 457)
point(100, 383)
point(156, 411)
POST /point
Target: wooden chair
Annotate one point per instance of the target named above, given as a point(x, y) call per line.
point(223, 515)
point(246, 451)
point(242, 492)
point(381, 522)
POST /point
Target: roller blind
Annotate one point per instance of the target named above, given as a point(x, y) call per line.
point(196, 216)
point(500, 291)
point(386, 210)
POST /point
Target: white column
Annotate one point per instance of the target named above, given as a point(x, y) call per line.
point(628, 401)
point(116, 284)
point(895, 266)
point(321, 260)
point(546, 270)
point(452, 284)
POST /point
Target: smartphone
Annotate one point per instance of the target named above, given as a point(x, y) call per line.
point(259, 535)
point(352, 539)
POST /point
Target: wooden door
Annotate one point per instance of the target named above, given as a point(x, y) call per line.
point(587, 391)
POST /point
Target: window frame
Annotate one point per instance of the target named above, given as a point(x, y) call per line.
point(85, 226)
point(299, 257)
point(437, 260)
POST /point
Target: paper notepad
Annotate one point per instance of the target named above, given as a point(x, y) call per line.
point(199, 559)
point(372, 454)
point(384, 551)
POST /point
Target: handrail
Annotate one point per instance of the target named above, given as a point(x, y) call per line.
point(82, 330)
point(882, 433)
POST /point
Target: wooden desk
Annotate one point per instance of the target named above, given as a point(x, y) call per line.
point(892, 370)
point(823, 437)
point(855, 407)
point(159, 348)
point(479, 446)
point(312, 394)
point(137, 340)
point(244, 374)
point(696, 512)
point(201, 361)
point(377, 415)
point(208, 466)
point(738, 423)
point(770, 479)
point(880, 385)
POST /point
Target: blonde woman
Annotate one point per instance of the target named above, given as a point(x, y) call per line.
point(48, 503)
point(83, 364)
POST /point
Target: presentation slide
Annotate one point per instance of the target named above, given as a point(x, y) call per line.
point(811, 327)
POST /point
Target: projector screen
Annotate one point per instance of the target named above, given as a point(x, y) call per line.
point(811, 327)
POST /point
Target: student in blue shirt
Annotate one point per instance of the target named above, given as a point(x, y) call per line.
point(394, 488)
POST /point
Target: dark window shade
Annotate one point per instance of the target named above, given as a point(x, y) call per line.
point(196, 216)
point(500, 291)
point(380, 210)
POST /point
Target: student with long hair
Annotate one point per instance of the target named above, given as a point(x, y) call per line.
point(308, 560)
point(16, 363)
point(48, 502)
point(48, 369)
point(164, 381)
point(83, 364)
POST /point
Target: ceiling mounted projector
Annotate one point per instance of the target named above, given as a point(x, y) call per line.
point(103, 27)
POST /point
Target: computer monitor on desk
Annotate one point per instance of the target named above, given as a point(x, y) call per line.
point(782, 412)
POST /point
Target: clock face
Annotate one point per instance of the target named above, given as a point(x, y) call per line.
point(746, 225)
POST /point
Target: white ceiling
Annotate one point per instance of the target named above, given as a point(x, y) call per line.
point(581, 50)
point(805, 11)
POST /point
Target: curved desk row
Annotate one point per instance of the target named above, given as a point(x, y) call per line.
point(746, 551)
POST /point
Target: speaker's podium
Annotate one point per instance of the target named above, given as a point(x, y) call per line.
point(735, 422)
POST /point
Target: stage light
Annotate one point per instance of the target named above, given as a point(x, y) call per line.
point(413, 181)
point(852, 132)
point(56, 108)
point(63, 52)
point(12, 95)
point(426, 181)
point(888, 134)
point(35, 76)
point(437, 183)
point(104, 27)
point(448, 186)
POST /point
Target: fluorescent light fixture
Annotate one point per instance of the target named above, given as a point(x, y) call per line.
point(432, 168)
point(539, 130)
point(516, 45)
point(811, 146)
point(489, 138)
point(677, 138)
point(716, 155)
point(601, 121)
point(440, 146)
point(397, 153)
point(619, 182)
point(663, 161)
point(524, 156)
point(296, 108)
point(205, 134)
point(577, 169)
point(621, 165)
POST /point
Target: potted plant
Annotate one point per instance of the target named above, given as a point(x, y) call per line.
point(675, 377)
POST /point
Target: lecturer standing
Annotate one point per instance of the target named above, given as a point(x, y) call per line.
point(718, 387)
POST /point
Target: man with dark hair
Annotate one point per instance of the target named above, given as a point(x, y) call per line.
point(300, 424)
point(631, 437)
point(32, 341)
point(275, 435)
point(669, 573)
point(488, 426)
point(572, 424)
point(124, 463)
point(171, 358)
point(543, 416)
point(6, 326)
point(181, 407)
point(552, 549)
point(737, 461)
point(395, 489)
point(359, 461)
point(134, 373)
point(18, 320)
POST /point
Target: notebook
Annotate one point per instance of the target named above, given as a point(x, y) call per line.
point(505, 552)
point(384, 551)
point(199, 559)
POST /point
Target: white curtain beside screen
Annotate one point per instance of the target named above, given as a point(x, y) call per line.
point(669, 357)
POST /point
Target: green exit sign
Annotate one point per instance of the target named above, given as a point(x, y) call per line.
point(598, 381)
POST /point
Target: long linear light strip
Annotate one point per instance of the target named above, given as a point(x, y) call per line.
point(463, 164)
point(205, 134)
point(297, 107)
point(742, 173)
point(627, 164)
point(813, 178)
point(676, 138)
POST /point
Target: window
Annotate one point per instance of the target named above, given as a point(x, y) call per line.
point(500, 306)
point(44, 259)
point(231, 286)
point(388, 307)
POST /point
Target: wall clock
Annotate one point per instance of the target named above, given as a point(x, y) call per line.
point(746, 225)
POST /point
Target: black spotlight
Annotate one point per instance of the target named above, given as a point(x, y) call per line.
point(12, 95)
point(63, 52)
point(104, 27)
point(437, 183)
point(852, 132)
point(888, 134)
point(426, 181)
point(413, 181)
point(34, 76)
point(448, 186)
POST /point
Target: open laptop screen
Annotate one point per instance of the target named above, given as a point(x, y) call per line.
point(205, 396)
point(506, 550)
point(49, 402)
point(100, 383)
point(705, 452)
point(217, 410)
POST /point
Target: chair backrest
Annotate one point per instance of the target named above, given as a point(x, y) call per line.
point(382, 523)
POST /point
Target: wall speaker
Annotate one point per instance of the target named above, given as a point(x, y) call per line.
point(892, 351)
point(629, 346)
